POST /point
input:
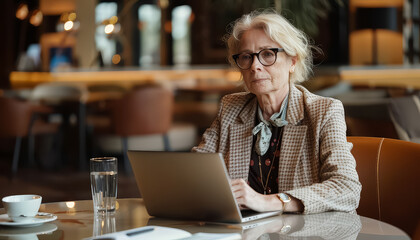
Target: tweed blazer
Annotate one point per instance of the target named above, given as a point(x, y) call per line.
point(316, 165)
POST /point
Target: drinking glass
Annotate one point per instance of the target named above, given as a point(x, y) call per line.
point(103, 182)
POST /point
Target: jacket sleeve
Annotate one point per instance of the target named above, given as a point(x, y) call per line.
point(339, 187)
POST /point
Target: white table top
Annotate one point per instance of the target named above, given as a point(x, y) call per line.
point(77, 221)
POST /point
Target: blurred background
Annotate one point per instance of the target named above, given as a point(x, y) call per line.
point(86, 78)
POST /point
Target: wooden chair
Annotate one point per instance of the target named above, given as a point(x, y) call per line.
point(388, 170)
point(369, 118)
point(405, 114)
point(18, 120)
point(143, 111)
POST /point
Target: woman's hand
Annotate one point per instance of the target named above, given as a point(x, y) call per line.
point(246, 197)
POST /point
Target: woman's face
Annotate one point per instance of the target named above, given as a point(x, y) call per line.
point(261, 79)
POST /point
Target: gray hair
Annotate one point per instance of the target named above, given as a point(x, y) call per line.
point(281, 31)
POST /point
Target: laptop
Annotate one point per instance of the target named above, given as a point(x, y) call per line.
point(188, 186)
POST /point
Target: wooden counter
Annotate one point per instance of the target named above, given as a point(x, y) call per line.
point(125, 78)
point(382, 76)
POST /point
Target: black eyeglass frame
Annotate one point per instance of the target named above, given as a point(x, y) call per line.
point(275, 50)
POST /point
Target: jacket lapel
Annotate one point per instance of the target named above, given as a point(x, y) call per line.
point(241, 141)
point(293, 138)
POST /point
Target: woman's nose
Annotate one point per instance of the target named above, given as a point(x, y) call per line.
point(256, 64)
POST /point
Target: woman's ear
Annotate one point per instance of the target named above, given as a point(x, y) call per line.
point(293, 65)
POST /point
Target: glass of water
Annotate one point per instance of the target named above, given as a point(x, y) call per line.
point(103, 182)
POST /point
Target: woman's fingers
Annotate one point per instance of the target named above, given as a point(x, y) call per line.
point(246, 197)
point(241, 192)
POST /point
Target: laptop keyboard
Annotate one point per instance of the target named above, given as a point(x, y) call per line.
point(247, 212)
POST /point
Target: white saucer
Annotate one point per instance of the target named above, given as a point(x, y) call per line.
point(39, 219)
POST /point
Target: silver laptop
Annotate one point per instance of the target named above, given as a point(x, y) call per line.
point(188, 186)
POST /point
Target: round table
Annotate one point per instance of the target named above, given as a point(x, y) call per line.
point(76, 220)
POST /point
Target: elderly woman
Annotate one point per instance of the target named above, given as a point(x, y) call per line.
point(284, 147)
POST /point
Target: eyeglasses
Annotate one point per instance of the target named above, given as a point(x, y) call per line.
point(267, 57)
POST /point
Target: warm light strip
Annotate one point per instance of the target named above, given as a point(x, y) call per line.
point(19, 79)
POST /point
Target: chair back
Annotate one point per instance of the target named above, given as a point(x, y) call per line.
point(366, 151)
point(15, 117)
point(405, 113)
point(144, 110)
point(388, 170)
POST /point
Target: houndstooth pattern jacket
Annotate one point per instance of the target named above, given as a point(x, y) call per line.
point(316, 165)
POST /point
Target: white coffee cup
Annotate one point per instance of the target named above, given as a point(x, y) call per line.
point(19, 207)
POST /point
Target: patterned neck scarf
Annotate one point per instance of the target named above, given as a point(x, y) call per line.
point(263, 129)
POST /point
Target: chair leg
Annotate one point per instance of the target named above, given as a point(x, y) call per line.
point(31, 142)
point(16, 155)
point(82, 136)
point(31, 149)
point(166, 144)
point(127, 166)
